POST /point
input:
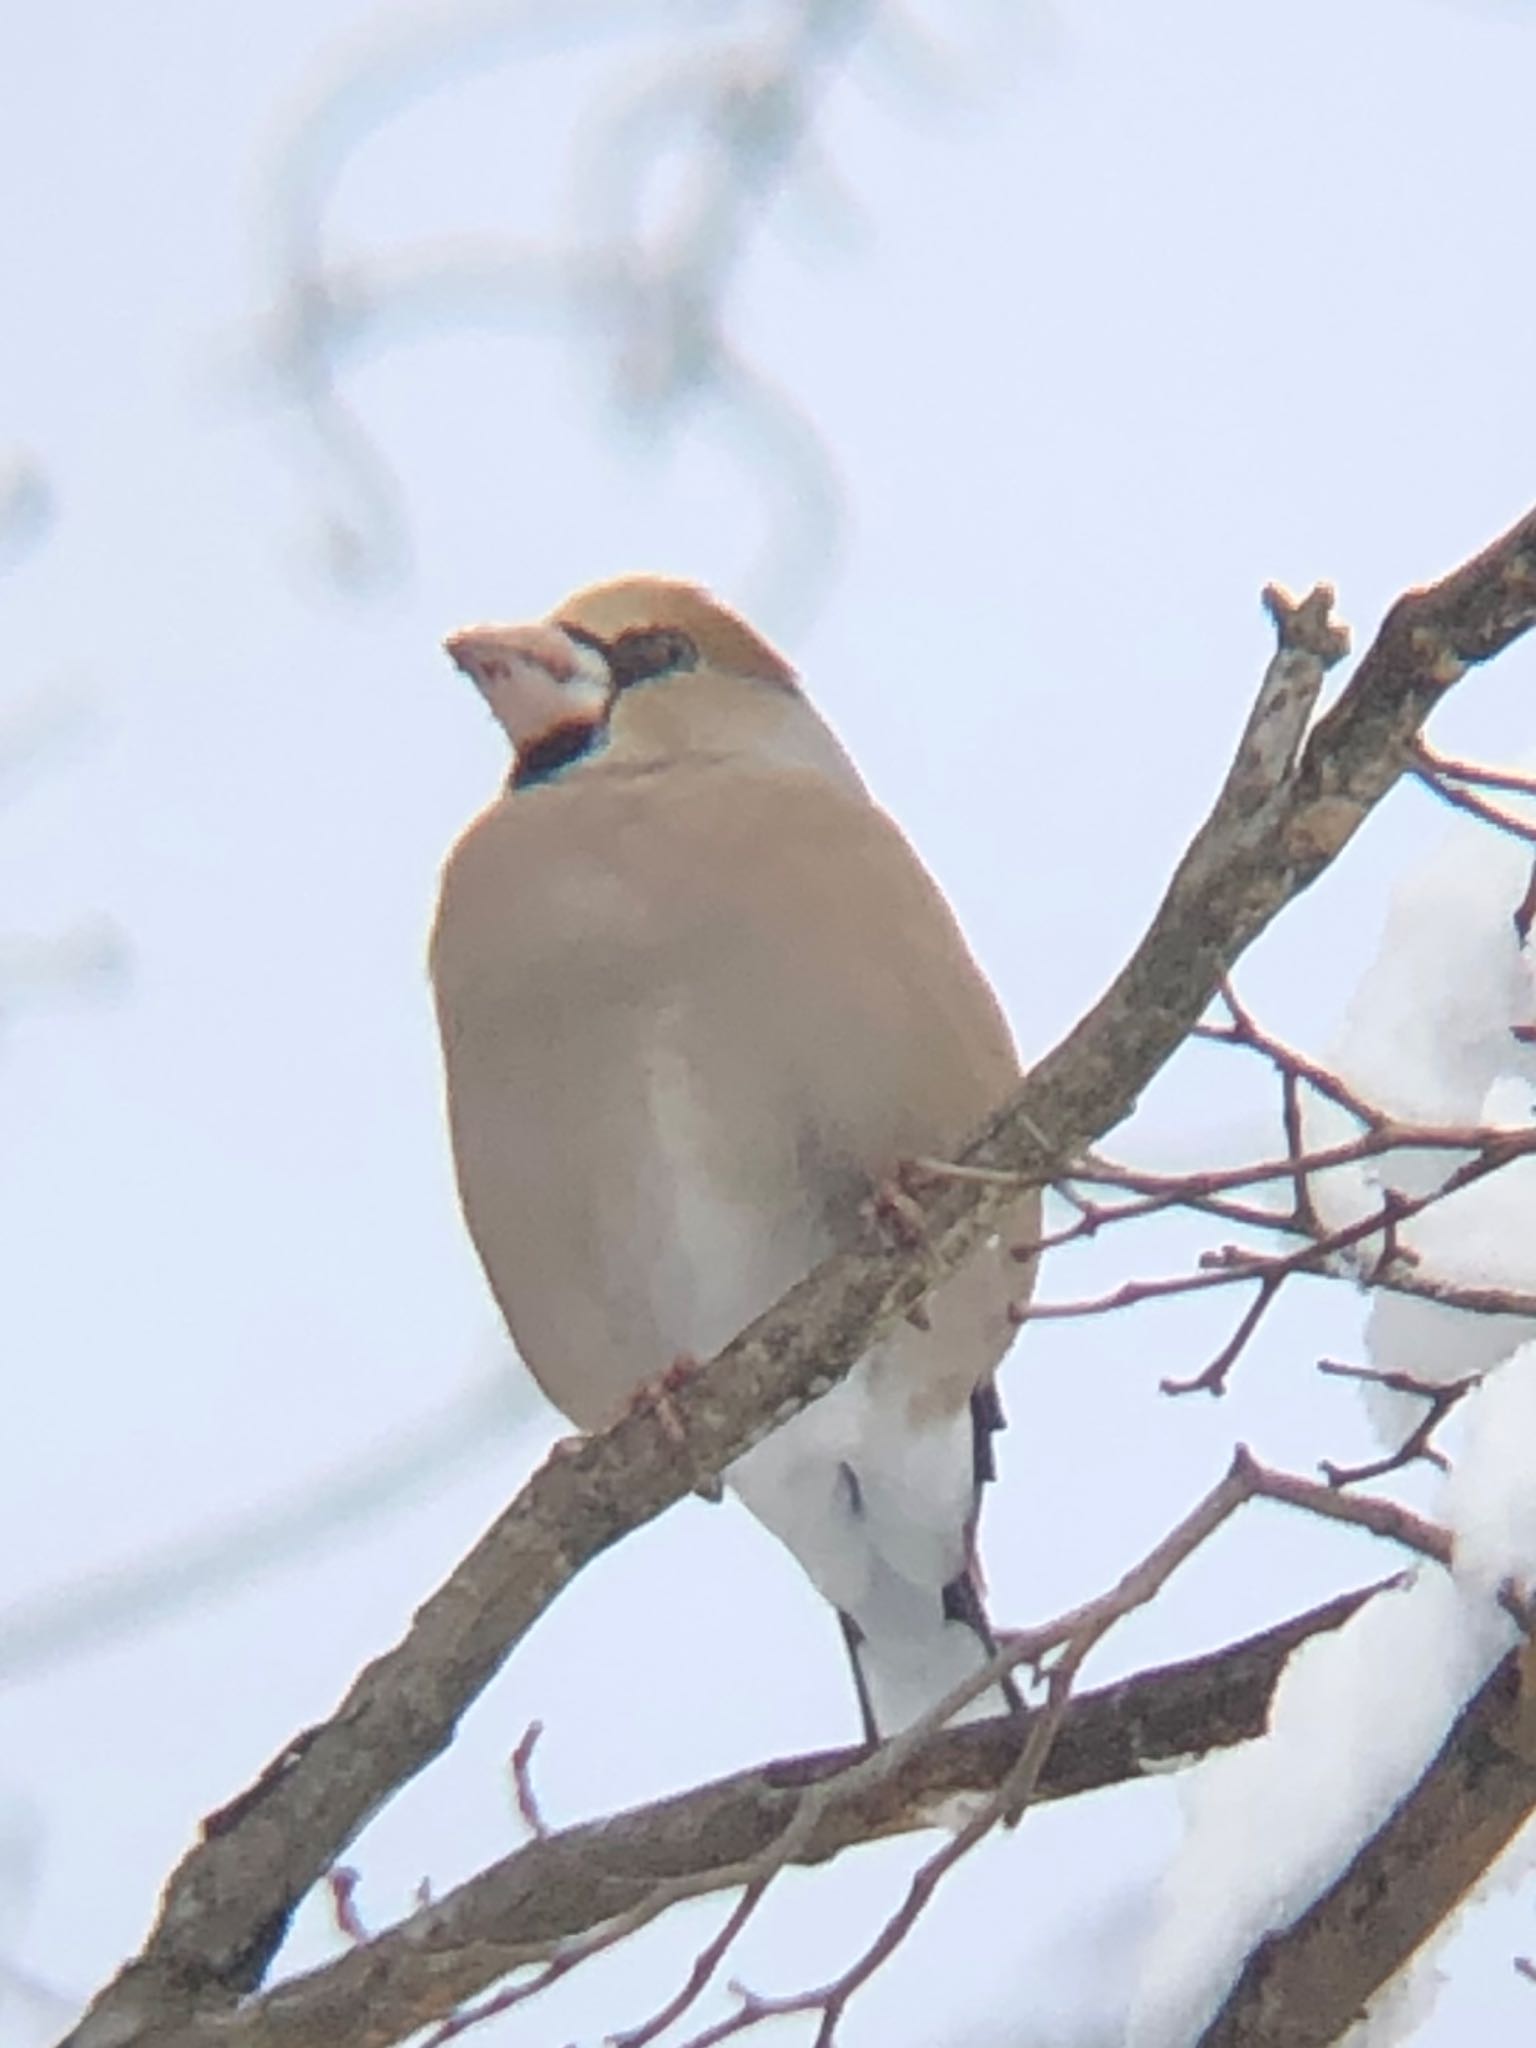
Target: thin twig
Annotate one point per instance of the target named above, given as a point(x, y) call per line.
point(521, 1766)
point(1434, 774)
point(1436, 763)
point(705, 1965)
point(1245, 1033)
point(1384, 1518)
point(1492, 1149)
point(342, 1883)
point(1439, 1401)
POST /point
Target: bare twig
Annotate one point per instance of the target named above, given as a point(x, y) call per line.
point(1213, 1377)
point(1245, 1032)
point(1384, 1518)
point(520, 1764)
point(1204, 1189)
point(705, 1965)
point(1446, 780)
point(1490, 1149)
point(1432, 762)
point(342, 1883)
point(1438, 1400)
point(1474, 1301)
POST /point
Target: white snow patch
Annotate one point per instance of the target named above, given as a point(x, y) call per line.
point(1490, 1495)
point(1270, 1825)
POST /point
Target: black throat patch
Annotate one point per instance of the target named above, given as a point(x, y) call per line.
point(554, 750)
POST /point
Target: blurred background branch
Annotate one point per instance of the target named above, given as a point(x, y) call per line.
point(85, 1615)
point(26, 506)
point(89, 957)
point(673, 178)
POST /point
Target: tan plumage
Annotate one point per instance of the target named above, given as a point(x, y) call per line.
point(698, 998)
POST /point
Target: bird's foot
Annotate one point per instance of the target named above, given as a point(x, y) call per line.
point(898, 1211)
point(657, 1395)
point(899, 1214)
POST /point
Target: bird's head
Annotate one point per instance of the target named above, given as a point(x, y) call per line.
point(553, 686)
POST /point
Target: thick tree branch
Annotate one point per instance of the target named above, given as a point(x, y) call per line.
point(566, 1884)
point(1286, 810)
point(1304, 1987)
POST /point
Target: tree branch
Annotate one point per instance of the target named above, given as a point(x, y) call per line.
point(569, 1883)
point(1285, 812)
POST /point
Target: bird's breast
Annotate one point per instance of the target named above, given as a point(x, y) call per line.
point(629, 1173)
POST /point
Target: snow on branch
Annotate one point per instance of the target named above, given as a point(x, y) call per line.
point(1304, 1988)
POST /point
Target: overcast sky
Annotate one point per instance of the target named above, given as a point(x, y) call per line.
point(1042, 374)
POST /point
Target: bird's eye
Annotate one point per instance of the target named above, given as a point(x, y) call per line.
point(645, 652)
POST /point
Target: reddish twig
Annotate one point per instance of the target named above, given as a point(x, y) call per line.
point(1229, 1265)
point(1203, 1190)
point(1384, 1518)
point(520, 1765)
point(1245, 1033)
point(1439, 1401)
point(705, 1965)
point(1446, 780)
point(1213, 1377)
point(1433, 762)
point(1303, 1208)
point(342, 1882)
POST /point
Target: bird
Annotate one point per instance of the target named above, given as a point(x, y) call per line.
point(700, 1003)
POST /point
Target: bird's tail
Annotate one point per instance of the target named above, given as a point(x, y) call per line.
point(882, 1515)
point(910, 1650)
point(907, 1661)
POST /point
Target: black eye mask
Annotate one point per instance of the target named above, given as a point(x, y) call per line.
point(641, 654)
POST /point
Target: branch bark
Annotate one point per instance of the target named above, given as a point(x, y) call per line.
point(1287, 809)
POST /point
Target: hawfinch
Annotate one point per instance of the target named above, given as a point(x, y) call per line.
point(699, 1001)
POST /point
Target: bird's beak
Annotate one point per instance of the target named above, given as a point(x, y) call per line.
point(533, 677)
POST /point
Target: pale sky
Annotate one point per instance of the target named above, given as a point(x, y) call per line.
point(1151, 307)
